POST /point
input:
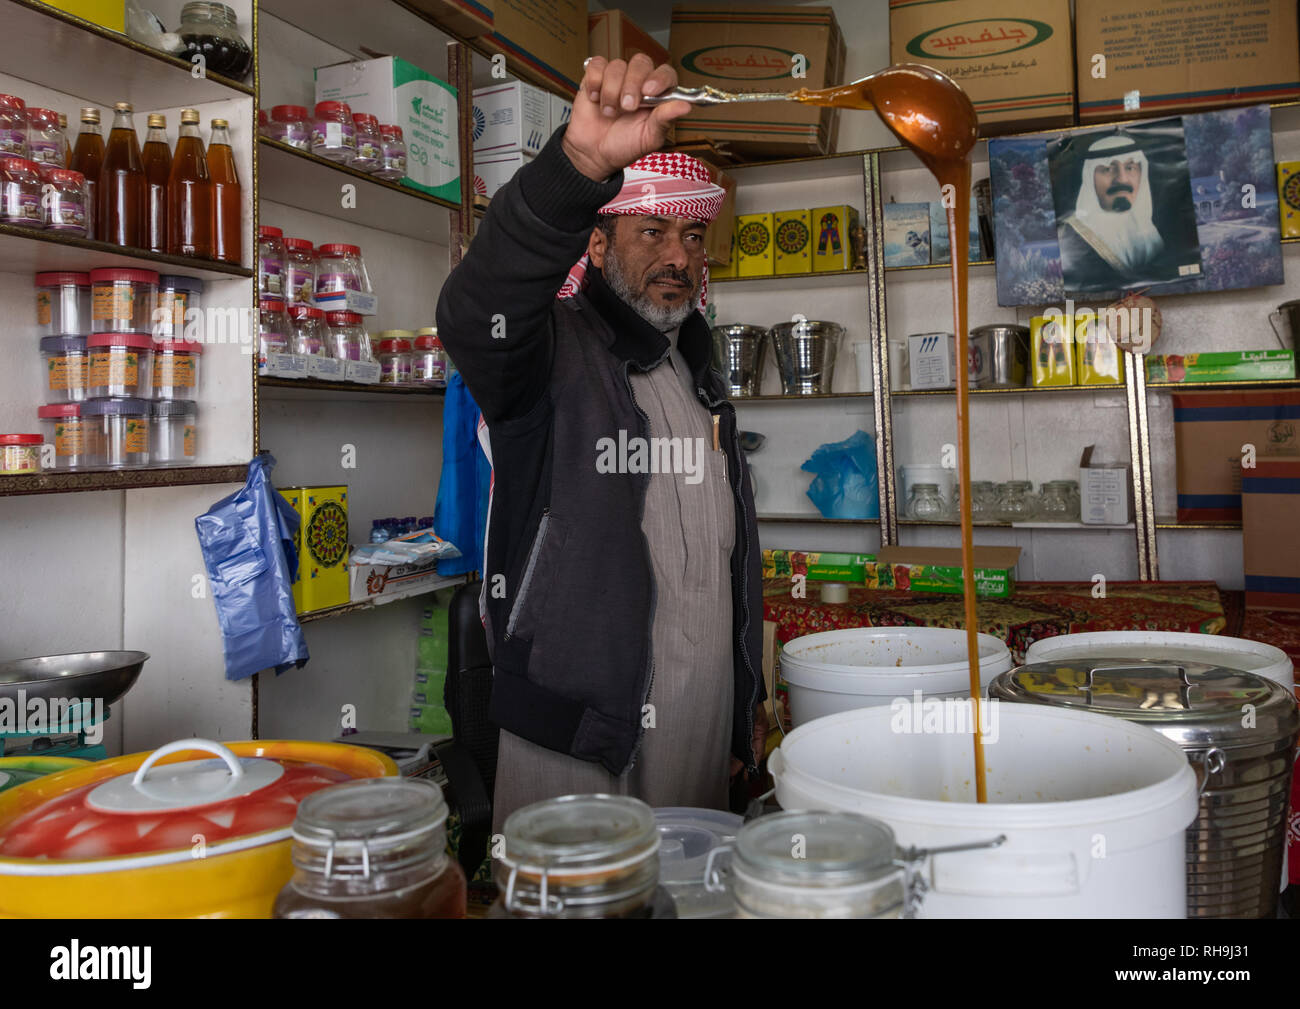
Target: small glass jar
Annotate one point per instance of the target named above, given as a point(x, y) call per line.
point(121, 364)
point(118, 432)
point(270, 261)
point(63, 303)
point(926, 503)
point(20, 193)
point(290, 125)
point(67, 369)
point(176, 369)
point(392, 154)
point(580, 856)
point(369, 155)
point(1057, 503)
point(122, 300)
point(172, 433)
point(983, 501)
point(333, 133)
point(20, 454)
point(211, 30)
point(339, 269)
point(67, 431)
point(1017, 502)
point(429, 362)
point(273, 333)
point(177, 298)
point(45, 141)
point(308, 331)
point(13, 127)
point(63, 201)
point(348, 339)
point(299, 271)
point(394, 355)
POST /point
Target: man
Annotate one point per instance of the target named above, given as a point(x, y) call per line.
point(621, 598)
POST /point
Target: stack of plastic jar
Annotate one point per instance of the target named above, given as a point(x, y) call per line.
point(118, 431)
point(63, 304)
point(45, 142)
point(299, 271)
point(173, 432)
point(122, 300)
point(339, 269)
point(273, 332)
point(290, 125)
point(67, 369)
point(63, 202)
point(429, 363)
point(333, 133)
point(270, 262)
point(395, 357)
point(369, 156)
point(348, 340)
point(64, 427)
point(176, 369)
point(13, 126)
point(20, 192)
point(308, 331)
point(121, 364)
point(177, 297)
point(393, 148)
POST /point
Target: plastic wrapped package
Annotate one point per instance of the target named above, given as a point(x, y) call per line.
point(845, 485)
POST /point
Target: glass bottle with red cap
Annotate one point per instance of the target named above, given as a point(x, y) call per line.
point(333, 133)
point(13, 126)
point(299, 271)
point(270, 261)
point(392, 154)
point(63, 200)
point(45, 141)
point(20, 192)
point(339, 269)
point(369, 153)
point(348, 339)
point(291, 125)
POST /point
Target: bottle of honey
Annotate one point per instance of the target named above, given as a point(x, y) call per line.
point(227, 201)
point(189, 193)
point(122, 185)
point(88, 159)
point(157, 159)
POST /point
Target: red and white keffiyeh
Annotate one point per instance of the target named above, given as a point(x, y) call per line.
point(663, 184)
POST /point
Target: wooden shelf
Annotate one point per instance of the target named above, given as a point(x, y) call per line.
point(120, 479)
point(788, 276)
point(25, 250)
point(937, 266)
point(781, 398)
point(1034, 390)
point(370, 604)
point(1059, 527)
point(818, 519)
point(1258, 383)
point(312, 388)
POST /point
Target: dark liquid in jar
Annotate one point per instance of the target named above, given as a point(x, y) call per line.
point(157, 158)
point(439, 896)
point(934, 117)
point(189, 201)
point(88, 159)
point(227, 204)
point(223, 55)
point(122, 191)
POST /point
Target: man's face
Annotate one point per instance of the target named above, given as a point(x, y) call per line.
point(655, 264)
point(1117, 183)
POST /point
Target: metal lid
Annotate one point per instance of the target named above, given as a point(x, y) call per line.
point(580, 833)
point(175, 408)
point(177, 282)
point(352, 823)
point(1196, 704)
point(815, 849)
point(63, 344)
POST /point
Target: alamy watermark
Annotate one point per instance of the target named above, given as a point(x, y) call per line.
point(651, 455)
point(1130, 327)
point(23, 715)
point(921, 715)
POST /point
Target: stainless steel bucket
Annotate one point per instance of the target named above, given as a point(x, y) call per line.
point(805, 355)
point(999, 356)
point(739, 353)
point(1288, 333)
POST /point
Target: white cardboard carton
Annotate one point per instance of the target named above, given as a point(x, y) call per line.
point(491, 173)
point(561, 110)
point(932, 360)
point(510, 116)
point(1105, 490)
point(384, 583)
point(364, 372)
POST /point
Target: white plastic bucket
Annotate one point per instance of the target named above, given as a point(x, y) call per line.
point(1093, 808)
point(862, 356)
point(859, 667)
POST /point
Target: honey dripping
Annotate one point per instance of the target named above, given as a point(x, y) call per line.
point(933, 116)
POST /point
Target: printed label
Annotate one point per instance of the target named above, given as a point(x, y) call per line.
point(269, 270)
point(189, 441)
point(47, 152)
point(70, 437)
point(19, 206)
point(172, 370)
point(137, 435)
point(115, 367)
point(66, 213)
point(57, 370)
point(13, 143)
point(21, 459)
point(301, 284)
point(43, 310)
point(172, 303)
point(112, 302)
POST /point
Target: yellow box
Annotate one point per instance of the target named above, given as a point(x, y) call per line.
point(1051, 351)
point(323, 560)
point(1288, 193)
point(793, 237)
point(754, 245)
point(110, 14)
point(832, 234)
point(294, 496)
point(1097, 358)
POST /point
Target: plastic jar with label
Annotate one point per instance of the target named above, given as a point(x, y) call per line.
point(299, 271)
point(433, 331)
point(13, 126)
point(177, 297)
point(348, 340)
point(290, 125)
point(119, 431)
point(270, 262)
point(273, 332)
point(429, 363)
point(20, 454)
point(67, 369)
point(393, 150)
point(176, 369)
point(369, 154)
point(67, 431)
point(394, 357)
point(63, 201)
point(121, 364)
point(340, 268)
point(308, 330)
point(63, 304)
point(122, 300)
point(172, 433)
point(45, 142)
point(333, 134)
point(20, 193)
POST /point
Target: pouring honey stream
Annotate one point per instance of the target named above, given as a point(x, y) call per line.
point(933, 117)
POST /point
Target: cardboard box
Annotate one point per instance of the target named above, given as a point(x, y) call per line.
point(825, 567)
point(110, 14)
point(491, 173)
point(719, 240)
point(721, 271)
point(424, 107)
point(833, 245)
point(561, 110)
point(792, 233)
point(323, 554)
point(1051, 355)
point(361, 372)
point(907, 234)
point(1270, 498)
point(938, 569)
point(546, 40)
point(1106, 492)
point(509, 117)
point(1168, 56)
point(616, 36)
point(294, 496)
point(1014, 58)
point(1288, 191)
point(754, 245)
point(467, 18)
point(1097, 358)
point(932, 360)
point(1210, 432)
point(383, 583)
point(1221, 366)
point(751, 48)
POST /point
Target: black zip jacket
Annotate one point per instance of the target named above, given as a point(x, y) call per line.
point(569, 624)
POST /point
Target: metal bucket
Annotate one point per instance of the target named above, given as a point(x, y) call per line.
point(1289, 332)
point(739, 353)
point(805, 355)
point(999, 356)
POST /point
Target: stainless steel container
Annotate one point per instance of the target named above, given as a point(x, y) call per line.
point(1237, 729)
point(739, 353)
point(999, 356)
point(805, 355)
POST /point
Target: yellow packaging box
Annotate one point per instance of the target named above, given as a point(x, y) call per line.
point(720, 271)
point(323, 557)
point(1097, 358)
point(832, 235)
point(1051, 350)
point(754, 245)
point(1288, 193)
point(792, 233)
point(294, 496)
point(110, 14)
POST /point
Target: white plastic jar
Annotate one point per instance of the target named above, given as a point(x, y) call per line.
point(173, 433)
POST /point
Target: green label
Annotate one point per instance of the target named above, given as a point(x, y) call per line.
point(979, 37)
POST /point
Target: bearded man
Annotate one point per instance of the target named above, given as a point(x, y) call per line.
point(622, 603)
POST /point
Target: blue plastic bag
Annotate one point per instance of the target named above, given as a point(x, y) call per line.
point(460, 515)
point(846, 486)
point(247, 543)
